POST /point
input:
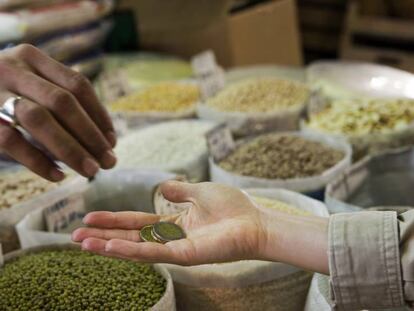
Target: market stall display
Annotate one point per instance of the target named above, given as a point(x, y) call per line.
point(158, 102)
point(178, 147)
point(371, 125)
point(248, 285)
point(294, 161)
point(382, 180)
point(257, 105)
point(74, 280)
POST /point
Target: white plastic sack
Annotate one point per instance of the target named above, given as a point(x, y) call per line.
point(382, 180)
point(245, 124)
point(12, 27)
point(167, 301)
point(251, 284)
point(310, 185)
point(116, 190)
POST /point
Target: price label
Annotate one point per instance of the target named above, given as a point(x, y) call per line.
point(220, 142)
point(66, 214)
point(204, 63)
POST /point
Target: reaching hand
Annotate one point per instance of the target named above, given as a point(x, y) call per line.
point(59, 109)
point(221, 225)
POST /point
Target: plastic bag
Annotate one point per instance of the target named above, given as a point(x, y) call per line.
point(247, 285)
point(313, 186)
point(381, 180)
point(167, 301)
point(116, 190)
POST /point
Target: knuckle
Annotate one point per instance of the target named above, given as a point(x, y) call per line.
point(61, 101)
point(78, 83)
point(25, 50)
point(8, 137)
point(33, 115)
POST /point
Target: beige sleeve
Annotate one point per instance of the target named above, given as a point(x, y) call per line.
point(365, 263)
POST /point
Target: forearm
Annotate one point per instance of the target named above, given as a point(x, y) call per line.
point(297, 240)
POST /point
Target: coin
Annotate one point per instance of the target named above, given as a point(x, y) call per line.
point(167, 231)
point(146, 234)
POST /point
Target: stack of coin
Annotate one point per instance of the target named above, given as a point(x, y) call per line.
point(161, 232)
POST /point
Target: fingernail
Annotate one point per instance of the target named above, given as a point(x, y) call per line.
point(56, 174)
point(90, 167)
point(111, 137)
point(108, 160)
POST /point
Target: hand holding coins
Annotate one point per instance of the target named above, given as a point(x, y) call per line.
point(161, 232)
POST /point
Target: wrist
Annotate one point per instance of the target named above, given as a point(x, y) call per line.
point(297, 240)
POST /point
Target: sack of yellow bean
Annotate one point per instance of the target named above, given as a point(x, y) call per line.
point(159, 102)
point(370, 125)
point(257, 105)
point(248, 285)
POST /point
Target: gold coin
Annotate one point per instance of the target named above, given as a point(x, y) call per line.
point(167, 231)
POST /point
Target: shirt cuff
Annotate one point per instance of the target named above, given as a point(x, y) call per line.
point(364, 261)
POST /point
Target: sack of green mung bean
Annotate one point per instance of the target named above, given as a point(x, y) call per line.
point(116, 190)
point(249, 285)
point(257, 105)
point(370, 125)
point(295, 161)
point(62, 277)
point(21, 191)
point(381, 180)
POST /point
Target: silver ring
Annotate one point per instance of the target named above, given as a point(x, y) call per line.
point(8, 111)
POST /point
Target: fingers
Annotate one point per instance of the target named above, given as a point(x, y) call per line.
point(44, 128)
point(106, 234)
point(142, 252)
point(73, 82)
point(66, 110)
point(120, 220)
point(178, 192)
point(16, 146)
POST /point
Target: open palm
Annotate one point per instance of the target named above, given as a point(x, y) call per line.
point(222, 224)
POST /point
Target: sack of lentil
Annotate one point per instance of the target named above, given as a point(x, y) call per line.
point(295, 161)
point(116, 190)
point(22, 190)
point(76, 280)
point(159, 102)
point(179, 147)
point(257, 105)
point(381, 180)
point(370, 125)
point(250, 284)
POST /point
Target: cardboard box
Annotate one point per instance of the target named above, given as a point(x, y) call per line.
point(262, 34)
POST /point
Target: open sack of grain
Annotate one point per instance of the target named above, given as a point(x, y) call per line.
point(19, 189)
point(295, 161)
point(257, 105)
point(370, 125)
point(246, 285)
point(381, 180)
point(158, 102)
point(179, 147)
point(74, 280)
point(116, 190)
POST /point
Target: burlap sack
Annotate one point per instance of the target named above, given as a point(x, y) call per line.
point(167, 302)
point(309, 185)
point(247, 285)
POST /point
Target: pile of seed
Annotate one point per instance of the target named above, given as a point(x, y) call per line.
point(360, 117)
point(261, 95)
point(21, 186)
point(75, 280)
point(279, 206)
point(276, 156)
point(164, 146)
point(162, 97)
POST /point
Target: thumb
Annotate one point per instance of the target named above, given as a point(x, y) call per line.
point(177, 192)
